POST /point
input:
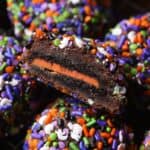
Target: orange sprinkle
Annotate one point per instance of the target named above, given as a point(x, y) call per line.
point(81, 121)
point(110, 140)
point(48, 119)
point(105, 135)
point(99, 145)
point(93, 51)
point(87, 10)
point(139, 51)
point(23, 9)
point(109, 123)
point(139, 38)
point(92, 132)
point(53, 112)
point(53, 1)
point(137, 22)
point(62, 114)
point(87, 19)
point(25, 18)
point(39, 33)
point(139, 68)
point(33, 143)
point(9, 4)
point(9, 69)
point(145, 24)
point(125, 54)
point(85, 131)
point(49, 13)
point(32, 27)
point(113, 131)
point(55, 30)
point(132, 20)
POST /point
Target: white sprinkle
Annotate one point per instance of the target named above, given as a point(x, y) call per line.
point(121, 146)
point(64, 43)
point(42, 120)
point(102, 50)
point(14, 82)
point(120, 136)
point(90, 101)
point(49, 128)
point(28, 32)
point(76, 132)
point(2, 82)
point(1, 57)
point(116, 31)
point(79, 42)
point(62, 134)
point(131, 36)
point(74, 1)
point(5, 101)
point(70, 125)
point(119, 90)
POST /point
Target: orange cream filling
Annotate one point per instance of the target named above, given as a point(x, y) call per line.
point(64, 71)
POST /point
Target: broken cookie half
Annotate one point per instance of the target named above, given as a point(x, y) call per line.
point(69, 64)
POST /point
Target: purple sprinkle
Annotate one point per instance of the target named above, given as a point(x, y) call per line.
point(5, 76)
point(40, 144)
point(36, 136)
point(82, 146)
point(133, 27)
point(8, 91)
point(100, 56)
point(36, 127)
point(111, 37)
point(101, 123)
point(97, 136)
point(3, 94)
point(148, 42)
point(114, 144)
point(121, 41)
point(25, 146)
point(112, 67)
point(9, 62)
point(76, 113)
point(61, 145)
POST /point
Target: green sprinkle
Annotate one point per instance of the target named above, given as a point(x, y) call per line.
point(62, 109)
point(108, 129)
point(102, 117)
point(94, 20)
point(56, 42)
point(53, 136)
point(47, 143)
point(3, 66)
point(55, 144)
point(66, 14)
point(91, 122)
point(85, 27)
point(75, 10)
point(42, 16)
point(73, 146)
point(133, 71)
point(85, 116)
point(144, 33)
point(133, 47)
point(86, 141)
